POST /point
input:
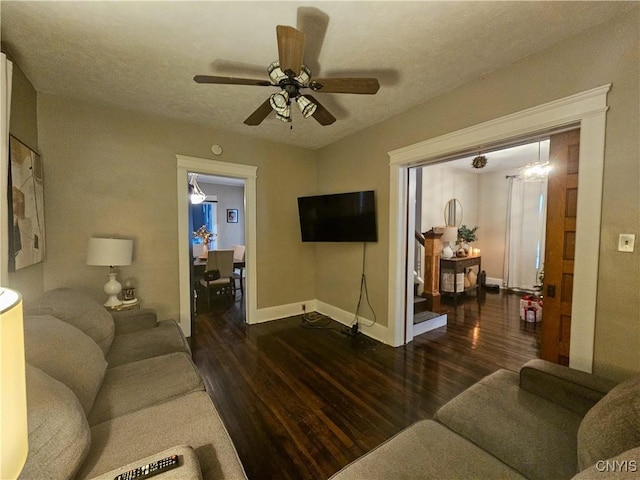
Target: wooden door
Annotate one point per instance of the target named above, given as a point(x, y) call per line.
point(562, 202)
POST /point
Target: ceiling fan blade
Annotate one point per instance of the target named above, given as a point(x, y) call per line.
point(231, 81)
point(366, 86)
point(290, 49)
point(259, 114)
point(321, 114)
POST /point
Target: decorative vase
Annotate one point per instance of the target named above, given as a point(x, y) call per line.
point(205, 251)
point(472, 278)
point(447, 252)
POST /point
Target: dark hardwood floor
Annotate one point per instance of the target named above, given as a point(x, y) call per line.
point(301, 403)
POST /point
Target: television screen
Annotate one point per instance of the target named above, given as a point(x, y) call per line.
point(341, 217)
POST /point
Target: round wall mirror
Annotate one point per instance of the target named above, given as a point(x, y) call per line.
point(453, 213)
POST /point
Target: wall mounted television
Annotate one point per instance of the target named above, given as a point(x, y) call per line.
point(339, 217)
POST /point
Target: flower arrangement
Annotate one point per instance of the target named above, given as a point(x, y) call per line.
point(205, 235)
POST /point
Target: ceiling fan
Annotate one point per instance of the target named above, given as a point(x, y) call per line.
point(291, 76)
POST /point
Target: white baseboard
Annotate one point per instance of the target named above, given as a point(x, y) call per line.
point(283, 311)
point(373, 330)
point(494, 281)
point(370, 329)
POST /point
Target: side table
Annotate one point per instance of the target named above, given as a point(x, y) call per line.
point(125, 306)
point(456, 265)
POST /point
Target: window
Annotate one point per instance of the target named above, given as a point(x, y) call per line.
point(205, 214)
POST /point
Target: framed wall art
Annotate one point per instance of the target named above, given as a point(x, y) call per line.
point(26, 196)
point(232, 215)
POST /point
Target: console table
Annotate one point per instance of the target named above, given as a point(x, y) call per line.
point(458, 265)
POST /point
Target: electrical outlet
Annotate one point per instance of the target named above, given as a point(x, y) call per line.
point(626, 242)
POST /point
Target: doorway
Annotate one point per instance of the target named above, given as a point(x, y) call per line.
point(212, 221)
point(586, 110)
point(503, 195)
point(246, 173)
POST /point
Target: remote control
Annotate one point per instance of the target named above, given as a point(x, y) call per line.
point(150, 469)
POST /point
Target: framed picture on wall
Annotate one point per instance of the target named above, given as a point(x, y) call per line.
point(232, 215)
point(26, 197)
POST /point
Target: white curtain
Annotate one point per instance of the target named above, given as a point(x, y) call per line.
point(6, 73)
point(525, 233)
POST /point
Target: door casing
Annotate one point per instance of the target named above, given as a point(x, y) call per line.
point(586, 110)
point(185, 165)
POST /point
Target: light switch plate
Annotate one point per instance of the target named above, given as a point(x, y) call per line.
point(626, 242)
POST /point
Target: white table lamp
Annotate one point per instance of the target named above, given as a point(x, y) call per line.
point(448, 238)
point(14, 441)
point(111, 252)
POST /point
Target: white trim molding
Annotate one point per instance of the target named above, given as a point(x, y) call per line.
point(367, 327)
point(248, 173)
point(283, 311)
point(586, 110)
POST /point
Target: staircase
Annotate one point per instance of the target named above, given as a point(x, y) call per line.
point(425, 320)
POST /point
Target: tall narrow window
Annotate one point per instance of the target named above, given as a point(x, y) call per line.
point(205, 213)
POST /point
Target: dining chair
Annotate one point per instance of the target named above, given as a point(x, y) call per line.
point(238, 266)
point(222, 261)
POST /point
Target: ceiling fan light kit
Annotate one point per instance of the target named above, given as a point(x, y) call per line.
point(276, 74)
point(284, 114)
point(291, 75)
point(307, 107)
point(279, 101)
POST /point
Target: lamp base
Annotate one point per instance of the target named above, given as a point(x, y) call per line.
point(112, 288)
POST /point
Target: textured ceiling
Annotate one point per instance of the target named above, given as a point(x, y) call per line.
point(143, 55)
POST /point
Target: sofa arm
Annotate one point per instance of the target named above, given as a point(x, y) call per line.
point(127, 321)
point(189, 467)
point(572, 389)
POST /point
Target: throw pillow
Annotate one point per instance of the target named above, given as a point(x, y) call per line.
point(65, 353)
point(612, 426)
point(59, 436)
point(79, 310)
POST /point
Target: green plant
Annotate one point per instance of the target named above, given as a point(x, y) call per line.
point(466, 234)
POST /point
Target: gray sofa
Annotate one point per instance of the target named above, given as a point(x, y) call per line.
point(547, 422)
point(109, 392)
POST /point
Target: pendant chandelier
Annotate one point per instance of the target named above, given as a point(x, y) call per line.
point(479, 162)
point(535, 172)
point(195, 192)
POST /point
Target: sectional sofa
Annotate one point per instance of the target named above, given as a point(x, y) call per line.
point(546, 422)
point(107, 393)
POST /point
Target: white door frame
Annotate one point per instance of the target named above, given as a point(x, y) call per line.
point(586, 110)
point(185, 165)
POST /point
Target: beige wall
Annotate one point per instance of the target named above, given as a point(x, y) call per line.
point(113, 172)
point(494, 192)
point(608, 53)
point(441, 183)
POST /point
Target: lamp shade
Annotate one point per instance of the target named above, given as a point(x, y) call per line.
point(307, 107)
point(112, 252)
point(450, 234)
point(14, 441)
